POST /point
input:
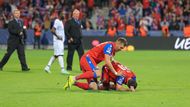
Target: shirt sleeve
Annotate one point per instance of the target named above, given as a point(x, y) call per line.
point(108, 49)
point(120, 80)
point(55, 25)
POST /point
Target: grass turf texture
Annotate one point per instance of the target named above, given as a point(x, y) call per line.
point(163, 81)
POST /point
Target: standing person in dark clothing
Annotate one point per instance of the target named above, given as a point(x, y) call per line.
point(37, 35)
point(17, 36)
point(74, 36)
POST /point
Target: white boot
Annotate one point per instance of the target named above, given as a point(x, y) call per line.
point(63, 71)
point(47, 69)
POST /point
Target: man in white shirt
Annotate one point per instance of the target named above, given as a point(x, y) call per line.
point(58, 43)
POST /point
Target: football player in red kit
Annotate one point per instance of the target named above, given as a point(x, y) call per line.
point(128, 78)
point(88, 62)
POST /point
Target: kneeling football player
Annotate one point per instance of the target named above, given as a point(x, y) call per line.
point(128, 78)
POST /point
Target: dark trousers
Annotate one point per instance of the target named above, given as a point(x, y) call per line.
point(37, 40)
point(71, 50)
point(20, 52)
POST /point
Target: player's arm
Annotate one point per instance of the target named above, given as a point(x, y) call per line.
point(53, 30)
point(108, 63)
point(67, 28)
point(110, 66)
point(54, 33)
point(112, 59)
point(108, 58)
point(119, 87)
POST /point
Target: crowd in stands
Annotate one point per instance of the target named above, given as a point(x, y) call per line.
point(44, 11)
point(137, 15)
point(147, 15)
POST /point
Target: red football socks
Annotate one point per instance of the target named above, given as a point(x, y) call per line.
point(86, 75)
point(84, 86)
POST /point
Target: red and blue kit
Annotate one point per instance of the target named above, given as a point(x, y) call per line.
point(96, 55)
point(108, 76)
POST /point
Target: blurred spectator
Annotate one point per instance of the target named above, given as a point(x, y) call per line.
point(144, 22)
point(105, 2)
point(111, 31)
point(174, 24)
point(146, 6)
point(181, 24)
point(165, 28)
point(112, 22)
point(49, 5)
point(47, 24)
point(90, 7)
point(121, 25)
point(139, 11)
point(130, 29)
point(186, 30)
point(37, 34)
point(143, 30)
point(13, 6)
point(155, 25)
point(122, 10)
point(149, 21)
point(88, 25)
point(100, 22)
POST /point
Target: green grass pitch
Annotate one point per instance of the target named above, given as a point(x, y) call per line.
point(163, 81)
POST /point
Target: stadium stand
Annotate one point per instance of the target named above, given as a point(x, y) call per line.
point(98, 15)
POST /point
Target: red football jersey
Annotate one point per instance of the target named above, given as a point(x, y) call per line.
point(98, 52)
point(110, 77)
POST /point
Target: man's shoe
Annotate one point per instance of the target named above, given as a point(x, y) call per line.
point(69, 69)
point(66, 86)
point(26, 69)
point(71, 80)
point(69, 83)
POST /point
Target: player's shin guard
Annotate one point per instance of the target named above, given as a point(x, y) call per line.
point(84, 86)
point(86, 75)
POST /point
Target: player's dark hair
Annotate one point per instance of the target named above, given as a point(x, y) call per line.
point(132, 82)
point(122, 40)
